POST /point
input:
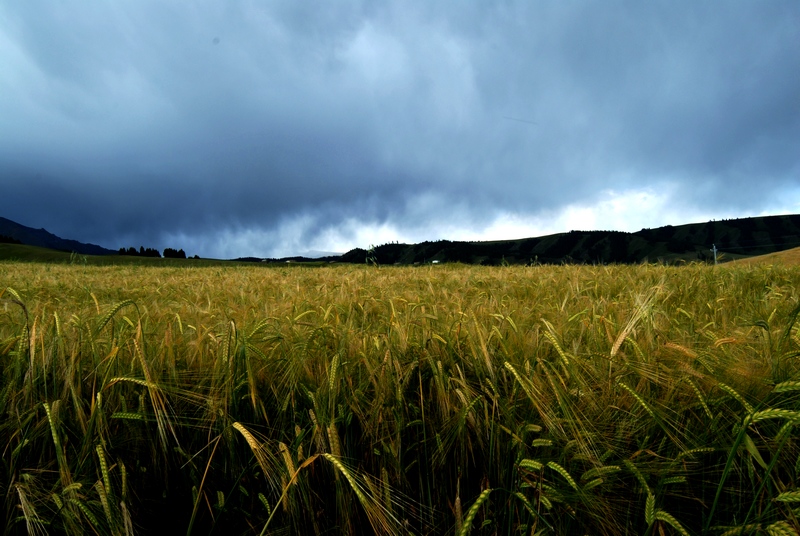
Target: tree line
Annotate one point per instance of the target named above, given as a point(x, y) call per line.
point(8, 240)
point(169, 253)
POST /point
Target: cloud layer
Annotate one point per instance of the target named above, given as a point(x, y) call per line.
point(268, 129)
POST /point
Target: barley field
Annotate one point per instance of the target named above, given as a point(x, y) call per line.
point(440, 399)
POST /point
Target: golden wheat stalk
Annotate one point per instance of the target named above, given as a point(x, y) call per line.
point(255, 446)
point(642, 308)
point(287, 458)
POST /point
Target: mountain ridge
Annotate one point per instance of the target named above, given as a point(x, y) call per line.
point(45, 239)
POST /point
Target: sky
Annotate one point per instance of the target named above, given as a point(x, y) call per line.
point(276, 128)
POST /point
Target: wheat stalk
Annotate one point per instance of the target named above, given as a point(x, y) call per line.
point(33, 522)
point(287, 458)
point(255, 447)
point(788, 497)
point(564, 473)
point(473, 511)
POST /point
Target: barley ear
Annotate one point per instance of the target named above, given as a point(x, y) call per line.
point(333, 438)
point(784, 387)
point(16, 299)
point(650, 509)
point(254, 445)
point(781, 528)
point(561, 353)
point(564, 473)
point(731, 391)
point(287, 458)
point(530, 465)
point(332, 373)
point(104, 469)
point(101, 492)
point(124, 473)
point(33, 522)
point(86, 512)
point(264, 501)
point(66, 477)
point(114, 310)
point(669, 519)
point(775, 413)
point(701, 399)
point(473, 511)
point(638, 398)
point(638, 474)
point(346, 473)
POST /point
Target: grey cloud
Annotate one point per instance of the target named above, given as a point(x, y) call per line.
point(149, 120)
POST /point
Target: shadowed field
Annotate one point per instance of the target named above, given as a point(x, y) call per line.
point(446, 399)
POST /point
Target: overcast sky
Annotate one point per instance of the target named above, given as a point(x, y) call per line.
point(248, 128)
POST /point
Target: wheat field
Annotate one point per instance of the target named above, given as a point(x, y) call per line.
point(442, 399)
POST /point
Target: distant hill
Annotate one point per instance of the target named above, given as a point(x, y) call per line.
point(44, 239)
point(734, 239)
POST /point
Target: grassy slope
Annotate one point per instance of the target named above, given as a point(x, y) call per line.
point(685, 243)
point(601, 400)
point(24, 253)
point(788, 257)
point(16, 252)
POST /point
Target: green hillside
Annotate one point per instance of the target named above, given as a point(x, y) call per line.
point(16, 252)
point(733, 239)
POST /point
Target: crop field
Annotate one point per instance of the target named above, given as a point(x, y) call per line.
point(441, 399)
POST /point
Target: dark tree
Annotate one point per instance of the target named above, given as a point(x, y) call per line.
point(170, 253)
point(8, 240)
point(142, 252)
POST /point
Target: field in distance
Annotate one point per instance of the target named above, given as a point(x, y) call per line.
point(787, 257)
point(26, 253)
point(446, 399)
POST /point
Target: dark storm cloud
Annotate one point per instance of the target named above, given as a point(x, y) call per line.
point(144, 122)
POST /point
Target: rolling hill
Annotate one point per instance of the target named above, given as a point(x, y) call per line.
point(733, 239)
point(44, 239)
point(789, 256)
